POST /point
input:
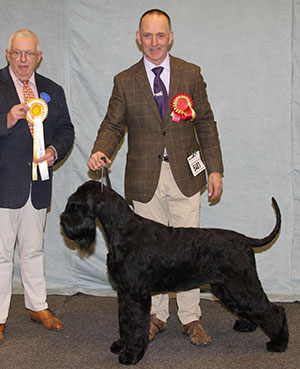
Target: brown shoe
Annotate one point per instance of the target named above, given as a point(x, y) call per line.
point(47, 319)
point(2, 329)
point(197, 333)
point(156, 326)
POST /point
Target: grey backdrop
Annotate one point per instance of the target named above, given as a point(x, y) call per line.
point(249, 55)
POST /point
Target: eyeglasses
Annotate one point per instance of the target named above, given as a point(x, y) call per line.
point(17, 54)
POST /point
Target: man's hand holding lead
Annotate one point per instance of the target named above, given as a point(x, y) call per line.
point(96, 162)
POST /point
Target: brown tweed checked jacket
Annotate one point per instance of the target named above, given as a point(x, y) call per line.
point(132, 105)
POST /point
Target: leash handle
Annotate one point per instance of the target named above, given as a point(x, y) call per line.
point(106, 173)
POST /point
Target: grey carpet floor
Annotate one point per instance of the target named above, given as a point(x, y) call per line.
point(91, 325)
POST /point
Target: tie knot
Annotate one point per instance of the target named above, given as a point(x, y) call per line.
point(157, 70)
point(26, 83)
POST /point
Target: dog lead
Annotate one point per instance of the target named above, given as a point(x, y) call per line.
point(106, 175)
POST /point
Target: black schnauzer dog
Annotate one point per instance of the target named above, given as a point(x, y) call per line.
point(146, 257)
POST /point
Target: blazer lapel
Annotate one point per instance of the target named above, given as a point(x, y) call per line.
point(40, 85)
point(11, 95)
point(175, 78)
point(142, 79)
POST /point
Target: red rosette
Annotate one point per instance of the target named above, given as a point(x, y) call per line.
point(182, 108)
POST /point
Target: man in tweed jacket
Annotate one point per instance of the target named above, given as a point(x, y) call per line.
point(158, 178)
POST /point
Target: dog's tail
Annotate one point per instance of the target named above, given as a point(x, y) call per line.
point(259, 242)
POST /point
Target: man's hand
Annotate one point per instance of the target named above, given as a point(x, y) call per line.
point(16, 112)
point(215, 185)
point(49, 157)
point(95, 162)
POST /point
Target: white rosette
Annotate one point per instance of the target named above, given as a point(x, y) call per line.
point(37, 113)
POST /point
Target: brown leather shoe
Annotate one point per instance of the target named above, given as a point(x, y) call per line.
point(156, 326)
point(2, 329)
point(47, 319)
point(197, 333)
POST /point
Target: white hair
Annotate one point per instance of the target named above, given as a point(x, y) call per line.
point(24, 32)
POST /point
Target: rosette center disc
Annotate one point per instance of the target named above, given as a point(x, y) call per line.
point(182, 104)
point(36, 110)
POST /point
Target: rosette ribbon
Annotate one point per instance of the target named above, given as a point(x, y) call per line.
point(37, 113)
point(182, 108)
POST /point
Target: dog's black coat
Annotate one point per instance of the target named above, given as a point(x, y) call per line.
point(145, 256)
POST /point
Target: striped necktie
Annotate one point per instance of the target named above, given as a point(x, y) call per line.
point(28, 95)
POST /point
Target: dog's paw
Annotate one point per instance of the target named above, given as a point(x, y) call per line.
point(275, 347)
point(244, 325)
point(117, 347)
point(130, 358)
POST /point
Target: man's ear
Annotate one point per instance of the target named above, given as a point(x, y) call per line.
point(171, 38)
point(138, 37)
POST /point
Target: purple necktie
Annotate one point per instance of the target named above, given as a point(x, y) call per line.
point(160, 92)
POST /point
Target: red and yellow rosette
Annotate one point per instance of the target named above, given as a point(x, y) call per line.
point(38, 110)
point(182, 108)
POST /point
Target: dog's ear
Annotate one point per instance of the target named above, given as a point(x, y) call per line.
point(87, 234)
point(78, 223)
point(83, 233)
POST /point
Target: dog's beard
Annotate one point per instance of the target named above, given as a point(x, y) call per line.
point(82, 230)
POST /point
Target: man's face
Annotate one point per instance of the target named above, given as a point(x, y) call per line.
point(155, 37)
point(23, 56)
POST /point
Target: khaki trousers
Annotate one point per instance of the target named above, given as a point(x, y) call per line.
point(170, 207)
point(27, 226)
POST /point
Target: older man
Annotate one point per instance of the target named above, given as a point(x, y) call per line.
point(164, 173)
point(25, 193)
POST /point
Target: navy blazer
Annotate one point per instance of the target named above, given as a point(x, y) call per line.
point(16, 144)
